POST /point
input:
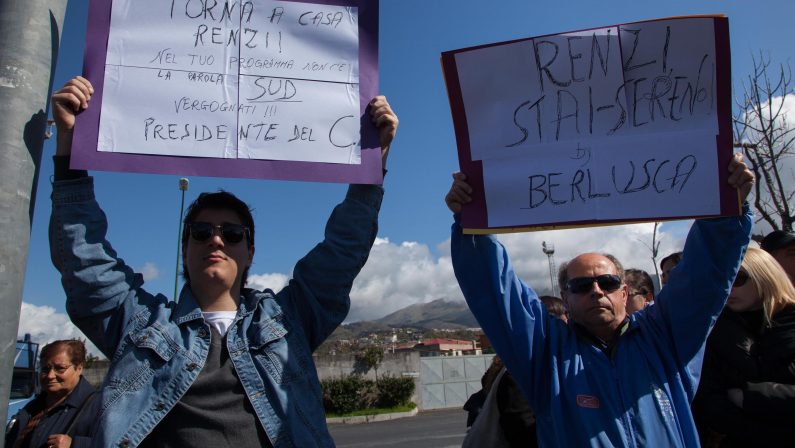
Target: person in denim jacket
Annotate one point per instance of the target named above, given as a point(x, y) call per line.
point(225, 365)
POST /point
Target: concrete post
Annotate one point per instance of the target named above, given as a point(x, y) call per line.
point(30, 32)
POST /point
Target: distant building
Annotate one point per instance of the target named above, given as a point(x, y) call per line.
point(448, 347)
point(485, 344)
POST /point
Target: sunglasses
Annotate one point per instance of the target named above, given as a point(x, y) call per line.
point(741, 279)
point(582, 285)
point(230, 233)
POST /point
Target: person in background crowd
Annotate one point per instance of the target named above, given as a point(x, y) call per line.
point(781, 245)
point(605, 378)
point(666, 266)
point(63, 414)
point(225, 365)
point(747, 392)
point(641, 289)
point(516, 419)
point(474, 403)
point(555, 306)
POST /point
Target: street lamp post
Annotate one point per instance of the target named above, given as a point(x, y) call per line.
point(183, 186)
point(549, 250)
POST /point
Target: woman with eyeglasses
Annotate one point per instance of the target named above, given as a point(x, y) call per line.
point(746, 396)
point(63, 413)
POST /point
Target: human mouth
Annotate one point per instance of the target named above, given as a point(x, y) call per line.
point(600, 308)
point(215, 257)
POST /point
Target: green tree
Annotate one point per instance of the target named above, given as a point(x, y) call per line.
point(372, 358)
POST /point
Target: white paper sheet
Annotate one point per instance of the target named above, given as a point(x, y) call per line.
point(228, 79)
point(646, 78)
point(658, 176)
point(669, 70)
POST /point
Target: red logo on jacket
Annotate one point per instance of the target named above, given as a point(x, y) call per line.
point(587, 401)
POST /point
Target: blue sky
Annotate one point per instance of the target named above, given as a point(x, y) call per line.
point(410, 262)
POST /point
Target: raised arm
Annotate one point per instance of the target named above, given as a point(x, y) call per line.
point(100, 288)
point(514, 319)
point(319, 293)
point(688, 305)
point(67, 102)
point(384, 118)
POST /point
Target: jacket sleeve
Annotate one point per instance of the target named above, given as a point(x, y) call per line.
point(319, 293)
point(510, 313)
point(81, 442)
point(102, 292)
point(769, 399)
point(12, 429)
point(689, 304)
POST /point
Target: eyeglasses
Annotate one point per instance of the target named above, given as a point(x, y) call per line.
point(231, 233)
point(582, 285)
point(60, 370)
point(740, 280)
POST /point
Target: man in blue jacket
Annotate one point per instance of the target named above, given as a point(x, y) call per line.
point(606, 379)
point(226, 366)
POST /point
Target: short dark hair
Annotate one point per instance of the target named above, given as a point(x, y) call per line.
point(220, 200)
point(639, 282)
point(75, 349)
point(554, 305)
point(777, 239)
point(675, 258)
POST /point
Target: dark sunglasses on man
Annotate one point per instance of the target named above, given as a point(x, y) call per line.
point(231, 233)
point(582, 285)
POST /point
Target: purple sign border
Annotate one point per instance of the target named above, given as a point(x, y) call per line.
point(86, 156)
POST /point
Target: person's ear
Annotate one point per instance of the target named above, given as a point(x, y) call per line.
point(625, 288)
point(250, 255)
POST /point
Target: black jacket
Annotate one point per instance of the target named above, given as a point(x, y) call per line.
point(743, 353)
point(59, 418)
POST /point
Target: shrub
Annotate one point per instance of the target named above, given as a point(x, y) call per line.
point(347, 394)
point(352, 393)
point(394, 391)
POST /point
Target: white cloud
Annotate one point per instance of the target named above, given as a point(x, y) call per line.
point(149, 271)
point(267, 281)
point(45, 325)
point(399, 275)
point(629, 243)
point(786, 163)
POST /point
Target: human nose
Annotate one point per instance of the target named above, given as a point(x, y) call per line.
point(596, 290)
point(215, 237)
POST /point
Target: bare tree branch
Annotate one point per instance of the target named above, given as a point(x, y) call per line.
point(761, 127)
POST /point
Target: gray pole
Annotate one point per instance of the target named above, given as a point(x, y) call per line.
point(30, 32)
point(183, 187)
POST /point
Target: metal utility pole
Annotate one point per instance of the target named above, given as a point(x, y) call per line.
point(183, 187)
point(30, 31)
point(550, 253)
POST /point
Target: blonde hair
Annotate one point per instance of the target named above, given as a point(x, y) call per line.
point(772, 283)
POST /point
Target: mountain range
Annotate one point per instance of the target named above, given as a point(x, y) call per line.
point(438, 314)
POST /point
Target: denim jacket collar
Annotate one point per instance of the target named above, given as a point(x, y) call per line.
point(188, 309)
